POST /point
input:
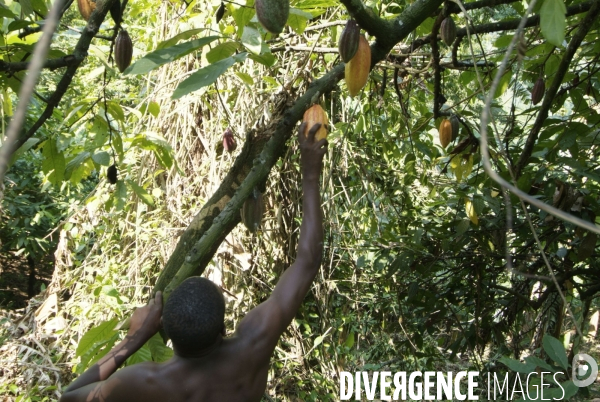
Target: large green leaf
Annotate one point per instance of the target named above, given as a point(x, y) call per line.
point(141, 193)
point(101, 333)
point(221, 52)
point(555, 350)
point(179, 37)
point(54, 162)
point(553, 21)
point(206, 76)
point(517, 366)
point(163, 56)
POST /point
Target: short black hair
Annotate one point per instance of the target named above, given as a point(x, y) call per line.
point(194, 314)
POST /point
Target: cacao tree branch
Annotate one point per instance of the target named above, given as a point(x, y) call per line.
point(79, 54)
point(215, 220)
point(510, 25)
point(584, 27)
point(51, 64)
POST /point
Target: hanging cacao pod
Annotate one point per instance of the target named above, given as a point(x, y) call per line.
point(220, 12)
point(272, 14)
point(112, 174)
point(123, 50)
point(316, 114)
point(537, 93)
point(253, 210)
point(85, 8)
point(229, 144)
point(348, 44)
point(357, 69)
point(448, 31)
point(455, 126)
point(445, 131)
point(115, 12)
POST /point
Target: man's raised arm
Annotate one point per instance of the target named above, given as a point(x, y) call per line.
point(270, 319)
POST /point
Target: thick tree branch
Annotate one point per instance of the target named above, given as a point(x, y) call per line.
point(584, 26)
point(51, 64)
point(510, 25)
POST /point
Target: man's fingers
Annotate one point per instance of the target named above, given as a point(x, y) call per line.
point(301, 130)
point(313, 131)
point(158, 298)
point(322, 143)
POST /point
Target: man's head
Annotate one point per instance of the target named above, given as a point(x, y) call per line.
point(193, 316)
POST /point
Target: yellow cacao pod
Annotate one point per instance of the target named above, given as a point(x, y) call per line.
point(316, 114)
point(85, 8)
point(445, 132)
point(357, 69)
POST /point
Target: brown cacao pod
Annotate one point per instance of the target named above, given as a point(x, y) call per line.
point(455, 126)
point(537, 93)
point(448, 31)
point(229, 144)
point(357, 69)
point(123, 50)
point(348, 44)
point(272, 14)
point(112, 174)
point(85, 8)
point(220, 12)
point(445, 131)
point(316, 114)
point(253, 210)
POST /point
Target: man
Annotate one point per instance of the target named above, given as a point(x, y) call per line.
point(206, 366)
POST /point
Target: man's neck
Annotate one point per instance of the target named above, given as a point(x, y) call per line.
point(200, 353)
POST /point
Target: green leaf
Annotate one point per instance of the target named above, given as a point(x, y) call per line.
point(142, 355)
point(101, 158)
point(539, 363)
point(121, 195)
point(503, 84)
point(247, 78)
point(318, 341)
point(22, 149)
point(206, 76)
point(350, 340)
point(75, 163)
point(54, 162)
point(553, 21)
point(160, 352)
point(102, 332)
point(252, 40)
point(5, 12)
point(517, 366)
point(297, 20)
point(570, 390)
point(266, 59)
point(179, 37)
point(163, 56)
point(242, 16)
point(221, 52)
point(555, 350)
point(141, 193)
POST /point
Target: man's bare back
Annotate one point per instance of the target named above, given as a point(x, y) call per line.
point(227, 369)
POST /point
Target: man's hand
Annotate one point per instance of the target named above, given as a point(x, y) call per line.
point(311, 152)
point(146, 321)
